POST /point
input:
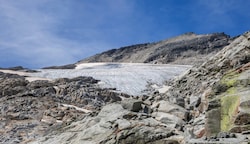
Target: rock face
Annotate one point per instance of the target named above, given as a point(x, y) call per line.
point(217, 93)
point(69, 66)
point(188, 49)
point(113, 124)
point(32, 109)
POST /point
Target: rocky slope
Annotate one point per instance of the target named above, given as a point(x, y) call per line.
point(208, 104)
point(217, 94)
point(188, 48)
point(32, 109)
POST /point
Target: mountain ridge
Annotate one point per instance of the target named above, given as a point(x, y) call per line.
point(209, 103)
point(176, 50)
point(186, 49)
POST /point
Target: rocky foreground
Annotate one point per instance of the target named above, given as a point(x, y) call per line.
point(208, 104)
point(32, 109)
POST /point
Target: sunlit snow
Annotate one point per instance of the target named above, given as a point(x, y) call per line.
point(129, 78)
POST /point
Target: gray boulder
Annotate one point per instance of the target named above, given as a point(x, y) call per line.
point(132, 105)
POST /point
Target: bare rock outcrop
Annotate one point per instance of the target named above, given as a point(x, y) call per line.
point(32, 109)
point(208, 104)
point(188, 49)
point(217, 93)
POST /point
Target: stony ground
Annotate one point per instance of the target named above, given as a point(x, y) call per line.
point(32, 109)
point(208, 104)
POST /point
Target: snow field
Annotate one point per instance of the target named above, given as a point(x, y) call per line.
point(130, 78)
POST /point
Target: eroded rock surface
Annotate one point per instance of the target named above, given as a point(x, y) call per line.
point(33, 109)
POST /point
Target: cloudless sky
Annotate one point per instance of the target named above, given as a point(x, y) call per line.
point(38, 33)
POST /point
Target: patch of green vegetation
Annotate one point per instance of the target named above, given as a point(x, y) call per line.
point(230, 79)
point(229, 105)
point(227, 90)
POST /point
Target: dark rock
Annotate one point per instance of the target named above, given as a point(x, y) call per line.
point(147, 110)
point(214, 104)
point(223, 135)
point(180, 101)
point(16, 68)
point(179, 51)
point(132, 105)
point(243, 119)
point(19, 68)
point(39, 84)
point(69, 66)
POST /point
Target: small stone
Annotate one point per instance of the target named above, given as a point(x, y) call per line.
point(147, 102)
point(232, 135)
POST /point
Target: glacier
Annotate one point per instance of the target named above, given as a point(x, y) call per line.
point(130, 78)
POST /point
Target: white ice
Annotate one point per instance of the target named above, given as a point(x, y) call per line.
point(130, 78)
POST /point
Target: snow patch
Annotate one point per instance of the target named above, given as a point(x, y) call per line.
point(130, 78)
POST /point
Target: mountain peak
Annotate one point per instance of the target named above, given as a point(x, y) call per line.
point(177, 50)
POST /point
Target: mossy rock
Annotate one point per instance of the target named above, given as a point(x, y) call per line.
point(225, 101)
point(230, 79)
point(229, 108)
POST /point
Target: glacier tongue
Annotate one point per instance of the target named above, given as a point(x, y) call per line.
point(130, 78)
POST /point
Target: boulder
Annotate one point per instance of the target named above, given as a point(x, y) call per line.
point(132, 105)
point(167, 107)
point(169, 120)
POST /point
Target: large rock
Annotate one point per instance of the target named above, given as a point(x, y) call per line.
point(132, 105)
point(167, 107)
point(169, 120)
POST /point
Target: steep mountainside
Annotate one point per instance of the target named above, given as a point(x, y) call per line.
point(188, 48)
point(217, 93)
point(208, 104)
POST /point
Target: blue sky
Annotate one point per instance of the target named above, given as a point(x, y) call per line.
point(38, 33)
